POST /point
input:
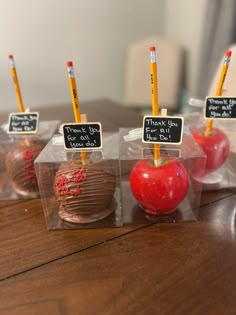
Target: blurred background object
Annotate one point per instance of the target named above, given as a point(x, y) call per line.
point(169, 71)
point(96, 35)
point(219, 34)
point(230, 79)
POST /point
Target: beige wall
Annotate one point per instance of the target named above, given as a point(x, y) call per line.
point(43, 34)
point(184, 22)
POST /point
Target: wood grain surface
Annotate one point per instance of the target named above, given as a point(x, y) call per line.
point(178, 268)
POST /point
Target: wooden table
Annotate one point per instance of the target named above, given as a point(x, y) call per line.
point(183, 268)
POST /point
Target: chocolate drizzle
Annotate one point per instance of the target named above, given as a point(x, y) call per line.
point(84, 193)
point(20, 167)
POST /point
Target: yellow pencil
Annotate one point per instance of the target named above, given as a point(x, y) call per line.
point(155, 110)
point(73, 91)
point(16, 84)
point(220, 86)
point(75, 99)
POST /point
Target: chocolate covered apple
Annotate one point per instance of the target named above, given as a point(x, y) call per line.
point(20, 167)
point(84, 192)
point(159, 189)
point(2, 157)
point(216, 147)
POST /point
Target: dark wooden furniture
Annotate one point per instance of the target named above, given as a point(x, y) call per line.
point(187, 268)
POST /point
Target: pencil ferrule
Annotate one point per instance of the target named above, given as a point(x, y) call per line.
point(71, 72)
point(226, 60)
point(12, 62)
point(153, 57)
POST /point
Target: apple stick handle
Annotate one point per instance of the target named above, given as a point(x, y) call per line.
point(75, 100)
point(157, 162)
point(83, 119)
point(164, 112)
point(16, 84)
point(155, 105)
point(220, 86)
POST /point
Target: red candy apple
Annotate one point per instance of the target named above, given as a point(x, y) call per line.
point(159, 189)
point(216, 147)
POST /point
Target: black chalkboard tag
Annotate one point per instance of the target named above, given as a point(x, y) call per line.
point(220, 107)
point(163, 129)
point(82, 136)
point(23, 123)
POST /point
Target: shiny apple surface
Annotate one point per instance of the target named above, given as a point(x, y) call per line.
point(216, 147)
point(159, 189)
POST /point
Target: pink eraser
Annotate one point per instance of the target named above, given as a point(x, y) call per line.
point(152, 48)
point(228, 53)
point(10, 57)
point(69, 64)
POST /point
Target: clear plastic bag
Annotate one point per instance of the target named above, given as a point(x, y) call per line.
point(17, 154)
point(225, 176)
point(134, 153)
point(76, 193)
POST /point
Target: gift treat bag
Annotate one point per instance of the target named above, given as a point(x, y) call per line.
point(158, 164)
point(78, 173)
point(21, 140)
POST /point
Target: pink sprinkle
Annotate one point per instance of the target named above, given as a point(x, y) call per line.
point(78, 177)
point(29, 168)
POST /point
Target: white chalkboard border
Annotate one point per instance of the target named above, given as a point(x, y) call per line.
point(217, 118)
point(171, 143)
point(23, 132)
point(81, 149)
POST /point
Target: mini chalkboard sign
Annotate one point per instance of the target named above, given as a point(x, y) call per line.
point(82, 136)
point(220, 107)
point(23, 123)
point(162, 129)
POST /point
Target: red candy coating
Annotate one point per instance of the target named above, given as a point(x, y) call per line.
point(216, 147)
point(159, 190)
